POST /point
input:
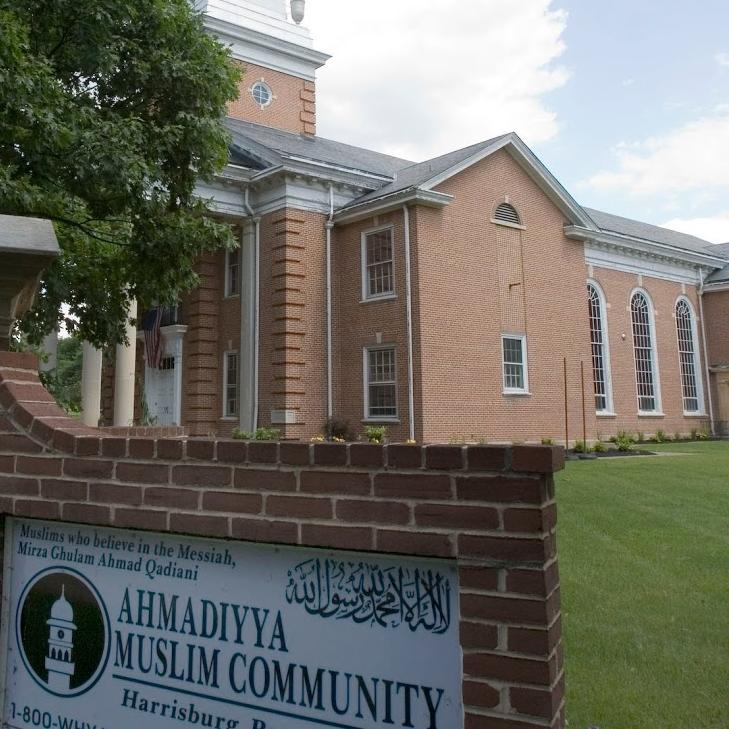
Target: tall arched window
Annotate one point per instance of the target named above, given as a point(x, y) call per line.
point(646, 376)
point(688, 356)
point(600, 357)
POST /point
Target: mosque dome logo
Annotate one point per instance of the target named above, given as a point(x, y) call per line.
point(62, 630)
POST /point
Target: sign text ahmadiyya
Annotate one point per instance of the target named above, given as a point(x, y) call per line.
point(226, 635)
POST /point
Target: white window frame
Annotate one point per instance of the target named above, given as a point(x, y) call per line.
point(228, 281)
point(658, 411)
point(366, 382)
point(226, 414)
point(609, 402)
point(525, 365)
point(366, 296)
point(701, 409)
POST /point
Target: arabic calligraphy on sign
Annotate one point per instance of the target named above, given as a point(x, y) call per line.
point(366, 593)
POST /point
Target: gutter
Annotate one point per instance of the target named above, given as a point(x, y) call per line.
point(256, 305)
point(707, 374)
point(329, 225)
point(409, 313)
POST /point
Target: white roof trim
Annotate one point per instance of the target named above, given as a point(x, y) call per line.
point(644, 246)
point(396, 199)
point(534, 168)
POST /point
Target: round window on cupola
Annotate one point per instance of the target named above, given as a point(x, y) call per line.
point(261, 93)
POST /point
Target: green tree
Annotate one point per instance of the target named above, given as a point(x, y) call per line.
point(110, 110)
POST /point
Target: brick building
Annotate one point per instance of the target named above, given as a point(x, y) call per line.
point(464, 297)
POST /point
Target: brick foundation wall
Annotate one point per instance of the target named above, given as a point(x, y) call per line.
point(489, 508)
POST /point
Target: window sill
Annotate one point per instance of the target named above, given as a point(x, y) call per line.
point(649, 414)
point(605, 414)
point(230, 418)
point(231, 296)
point(374, 299)
point(388, 421)
point(507, 224)
point(694, 415)
point(516, 393)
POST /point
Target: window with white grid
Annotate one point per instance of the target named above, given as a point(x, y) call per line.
point(515, 363)
point(687, 352)
point(231, 385)
point(232, 273)
point(380, 383)
point(377, 258)
point(598, 341)
point(644, 351)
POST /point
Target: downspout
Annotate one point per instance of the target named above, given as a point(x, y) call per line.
point(330, 381)
point(256, 296)
point(409, 312)
point(707, 373)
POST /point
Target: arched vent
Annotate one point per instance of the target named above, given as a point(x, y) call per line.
point(506, 213)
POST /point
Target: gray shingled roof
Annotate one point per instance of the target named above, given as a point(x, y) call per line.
point(625, 226)
point(318, 149)
point(417, 174)
point(720, 276)
point(719, 249)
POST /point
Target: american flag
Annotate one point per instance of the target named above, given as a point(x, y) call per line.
point(151, 322)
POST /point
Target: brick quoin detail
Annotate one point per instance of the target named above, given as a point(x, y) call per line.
point(491, 509)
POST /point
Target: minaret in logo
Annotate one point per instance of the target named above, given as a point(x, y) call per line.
point(59, 663)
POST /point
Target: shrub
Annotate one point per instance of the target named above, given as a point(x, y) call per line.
point(581, 447)
point(624, 441)
point(259, 434)
point(677, 437)
point(338, 429)
point(640, 437)
point(548, 441)
point(375, 433)
point(599, 447)
point(703, 434)
point(660, 437)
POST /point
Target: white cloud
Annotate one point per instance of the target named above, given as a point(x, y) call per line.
point(418, 79)
point(722, 59)
point(688, 159)
point(714, 229)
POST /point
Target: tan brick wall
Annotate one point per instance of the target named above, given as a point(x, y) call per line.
point(466, 304)
point(293, 108)
point(617, 287)
point(292, 362)
point(716, 306)
point(356, 324)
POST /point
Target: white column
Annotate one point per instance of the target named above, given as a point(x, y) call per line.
point(91, 385)
point(126, 359)
point(50, 349)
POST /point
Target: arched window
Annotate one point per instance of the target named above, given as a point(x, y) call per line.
point(688, 356)
point(600, 357)
point(507, 213)
point(646, 378)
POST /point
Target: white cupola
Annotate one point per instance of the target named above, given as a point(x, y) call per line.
point(59, 658)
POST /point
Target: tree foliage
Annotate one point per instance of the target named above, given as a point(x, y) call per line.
point(110, 110)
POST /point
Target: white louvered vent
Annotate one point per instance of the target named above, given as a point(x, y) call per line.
point(506, 213)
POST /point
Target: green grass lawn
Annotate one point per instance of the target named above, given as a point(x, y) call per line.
point(644, 562)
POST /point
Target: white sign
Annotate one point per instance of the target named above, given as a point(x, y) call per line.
point(111, 629)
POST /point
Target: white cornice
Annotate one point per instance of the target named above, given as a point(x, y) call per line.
point(390, 202)
point(266, 50)
point(640, 246)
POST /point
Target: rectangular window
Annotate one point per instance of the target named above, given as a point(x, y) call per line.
point(377, 264)
point(232, 272)
point(380, 384)
point(231, 385)
point(515, 363)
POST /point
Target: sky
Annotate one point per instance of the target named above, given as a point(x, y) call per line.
point(626, 102)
